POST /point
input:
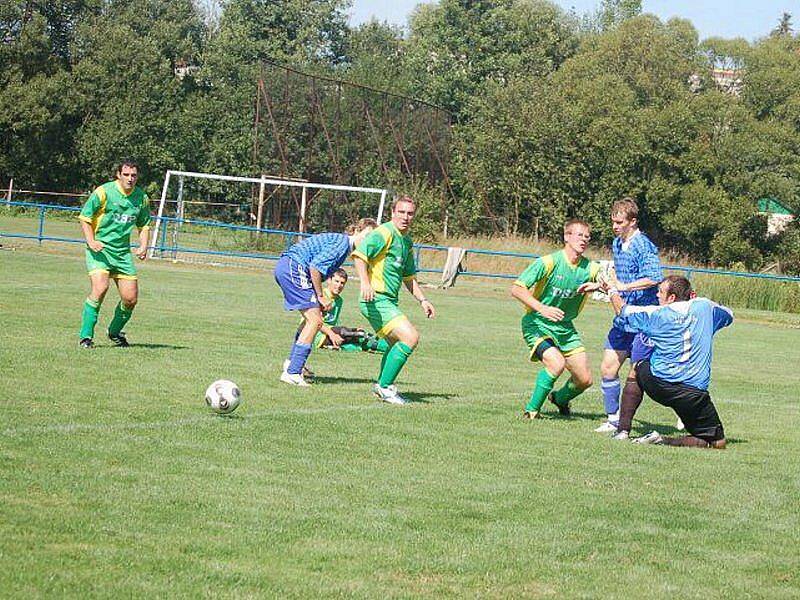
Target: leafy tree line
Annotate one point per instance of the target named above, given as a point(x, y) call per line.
point(555, 114)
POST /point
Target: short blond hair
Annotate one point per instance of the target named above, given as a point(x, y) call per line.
point(403, 199)
point(626, 207)
point(568, 225)
point(361, 225)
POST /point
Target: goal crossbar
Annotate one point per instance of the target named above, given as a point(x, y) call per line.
point(264, 181)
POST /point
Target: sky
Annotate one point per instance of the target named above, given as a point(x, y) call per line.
point(750, 19)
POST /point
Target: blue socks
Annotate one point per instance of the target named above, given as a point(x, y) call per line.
point(611, 389)
point(298, 357)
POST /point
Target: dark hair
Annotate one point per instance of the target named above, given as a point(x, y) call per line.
point(341, 273)
point(626, 207)
point(126, 162)
point(568, 225)
point(678, 286)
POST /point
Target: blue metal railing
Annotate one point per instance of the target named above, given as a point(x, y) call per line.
point(290, 236)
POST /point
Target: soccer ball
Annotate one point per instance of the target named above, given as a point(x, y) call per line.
point(223, 396)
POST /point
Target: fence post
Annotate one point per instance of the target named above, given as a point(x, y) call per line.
point(163, 241)
point(41, 224)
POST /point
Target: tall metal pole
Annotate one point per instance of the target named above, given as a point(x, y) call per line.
point(303, 206)
point(179, 222)
point(380, 207)
point(152, 249)
point(260, 215)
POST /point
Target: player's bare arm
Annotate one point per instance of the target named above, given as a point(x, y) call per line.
point(141, 251)
point(413, 286)
point(589, 287)
point(88, 233)
point(316, 282)
point(524, 295)
point(367, 293)
point(334, 337)
point(639, 284)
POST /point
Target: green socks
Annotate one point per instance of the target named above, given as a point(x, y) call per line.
point(567, 392)
point(373, 343)
point(393, 362)
point(544, 385)
point(122, 314)
point(91, 308)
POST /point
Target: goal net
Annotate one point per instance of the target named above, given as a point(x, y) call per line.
point(203, 217)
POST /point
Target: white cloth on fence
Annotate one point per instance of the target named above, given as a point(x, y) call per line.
point(453, 266)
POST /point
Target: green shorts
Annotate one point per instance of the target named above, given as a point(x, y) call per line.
point(382, 313)
point(563, 336)
point(118, 264)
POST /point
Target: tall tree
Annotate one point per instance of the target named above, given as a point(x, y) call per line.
point(784, 27)
point(457, 46)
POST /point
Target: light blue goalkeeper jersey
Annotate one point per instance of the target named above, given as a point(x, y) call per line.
point(682, 334)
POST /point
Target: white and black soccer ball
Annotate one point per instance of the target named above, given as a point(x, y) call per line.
point(223, 396)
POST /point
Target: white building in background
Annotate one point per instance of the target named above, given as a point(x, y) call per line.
point(778, 216)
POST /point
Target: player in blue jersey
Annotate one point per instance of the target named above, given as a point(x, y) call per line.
point(678, 372)
point(300, 272)
point(637, 271)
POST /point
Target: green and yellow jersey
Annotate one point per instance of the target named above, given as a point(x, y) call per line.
point(389, 258)
point(112, 215)
point(330, 318)
point(554, 281)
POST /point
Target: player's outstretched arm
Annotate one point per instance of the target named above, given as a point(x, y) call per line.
point(639, 284)
point(412, 285)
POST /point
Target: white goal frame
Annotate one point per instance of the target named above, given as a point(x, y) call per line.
point(263, 182)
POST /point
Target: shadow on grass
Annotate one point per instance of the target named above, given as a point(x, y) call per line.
point(574, 415)
point(422, 397)
point(147, 346)
point(669, 431)
point(647, 427)
point(323, 379)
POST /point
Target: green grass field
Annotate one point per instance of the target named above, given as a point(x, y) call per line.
point(116, 481)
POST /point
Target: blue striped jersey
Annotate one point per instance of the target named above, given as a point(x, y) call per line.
point(326, 252)
point(682, 335)
point(637, 260)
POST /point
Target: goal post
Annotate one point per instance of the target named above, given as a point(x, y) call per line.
point(251, 208)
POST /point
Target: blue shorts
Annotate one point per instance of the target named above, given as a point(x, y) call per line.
point(295, 283)
point(637, 345)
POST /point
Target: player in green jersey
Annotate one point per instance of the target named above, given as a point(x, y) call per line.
point(334, 336)
point(384, 260)
point(107, 218)
point(553, 289)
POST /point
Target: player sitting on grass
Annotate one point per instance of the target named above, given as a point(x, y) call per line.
point(107, 218)
point(299, 273)
point(553, 289)
point(331, 335)
point(678, 372)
